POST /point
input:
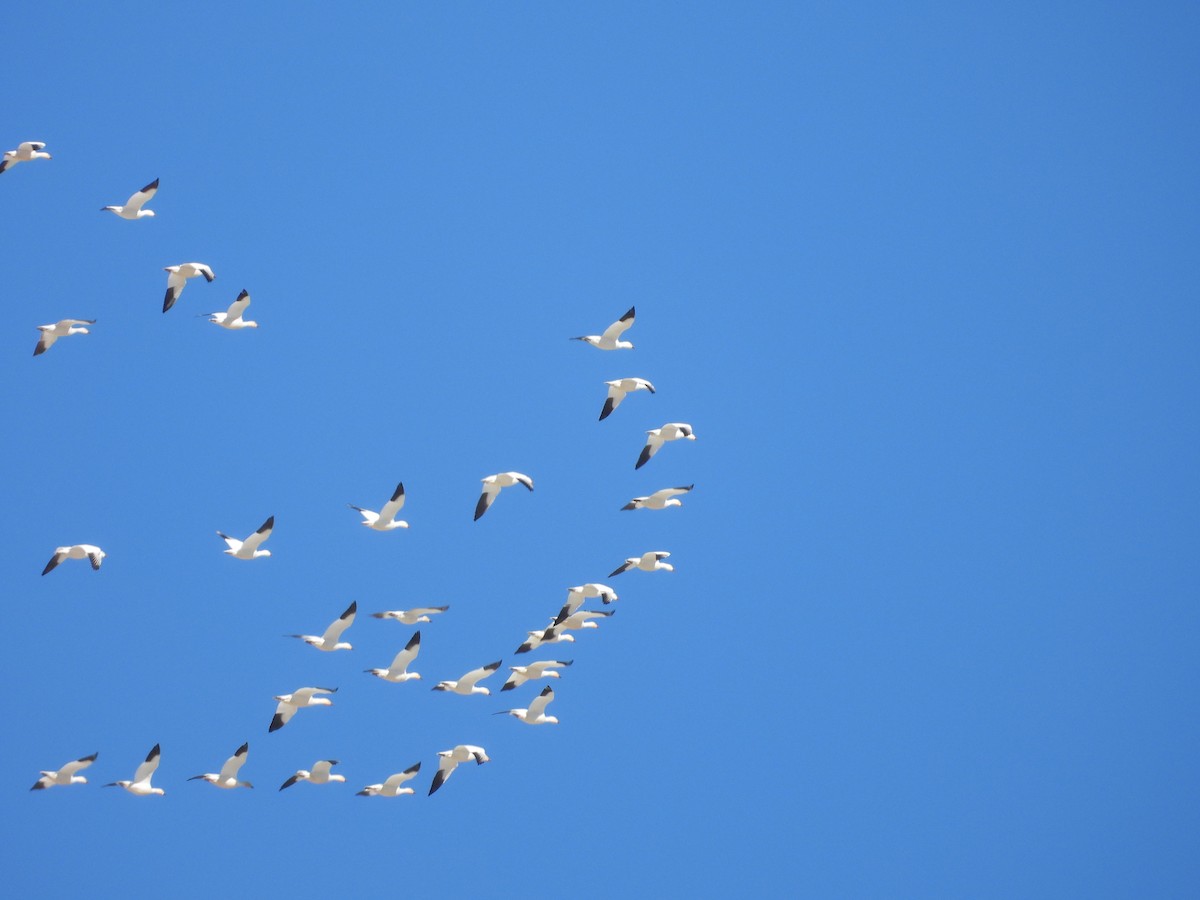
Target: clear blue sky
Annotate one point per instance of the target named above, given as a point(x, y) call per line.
point(923, 280)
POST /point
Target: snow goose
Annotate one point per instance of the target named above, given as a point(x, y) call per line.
point(391, 785)
point(492, 485)
point(610, 340)
point(25, 152)
point(232, 318)
point(140, 785)
point(583, 618)
point(651, 561)
point(61, 328)
point(320, 774)
point(178, 278)
point(542, 669)
point(659, 499)
point(656, 437)
point(228, 776)
point(411, 616)
point(466, 685)
point(248, 549)
point(398, 672)
point(549, 635)
point(448, 761)
point(617, 390)
point(133, 206)
point(91, 553)
point(536, 713)
point(385, 519)
point(298, 699)
point(576, 595)
point(329, 640)
point(65, 775)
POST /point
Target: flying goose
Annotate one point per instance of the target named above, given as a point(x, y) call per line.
point(329, 640)
point(133, 206)
point(541, 669)
point(398, 672)
point(576, 595)
point(25, 152)
point(411, 616)
point(248, 549)
point(492, 485)
point(65, 775)
point(61, 328)
point(536, 713)
point(659, 499)
point(651, 561)
point(140, 785)
point(178, 278)
point(319, 775)
point(93, 554)
point(385, 519)
point(232, 318)
point(466, 685)
point(298, 699)
point(228, 776)
point(656, 437)
point(617, 390)
point(391, 785)
point(610, 340)
point(448, 761)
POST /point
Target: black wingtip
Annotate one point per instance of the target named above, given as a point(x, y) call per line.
point(415, 768)
point(546, 690)
point(267, 525)
point(630, 314)
point(351, 610)
point(508, 685)
point(168, 300)
point(245, 748)
point(644, 458)
point(276, 723)
point(608, 408)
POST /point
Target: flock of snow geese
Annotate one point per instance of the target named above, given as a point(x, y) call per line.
point(571, 617)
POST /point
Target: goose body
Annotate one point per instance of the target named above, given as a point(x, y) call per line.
point(249, 548)
point(385, 519)
point(492, 486)
point(330, 640)
point(66, 775)
point(611, 338)
point(61, 328)
point(228, 776)
point(132, 209)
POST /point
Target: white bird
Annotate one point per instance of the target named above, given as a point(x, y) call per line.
point(178, 278)
point(610, 340)
point(140, 785)
point(65, 775)
point(549, 635)
point(466, 685)
point(329, 640)
point(298, 699)
point(536, 713)
point(541, 669)
point(583, 618)
point(91, 553)
point(228, 776)
point(448, 761)
point(492, 485)
point(651, 561)
point(232, 318)
point(659, 499)
point(391, 785)
point(576, 595)
point(656, 437)
point(133, 206)
point(618, 388)
point(411, 616)
point(385, 519)
point(319, 775)
point(248, 549)
point(61, 328)
point(398, 672)
point(25, 152)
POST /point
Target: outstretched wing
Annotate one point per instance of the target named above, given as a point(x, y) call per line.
point(401, 663)
point(234, 763)
point(340, 624)
point(238, 306)
point(146, 769)
point(134, 203)
point(618, 328)
point(264, 531)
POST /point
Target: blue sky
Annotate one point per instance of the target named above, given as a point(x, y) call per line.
point(917, 275)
